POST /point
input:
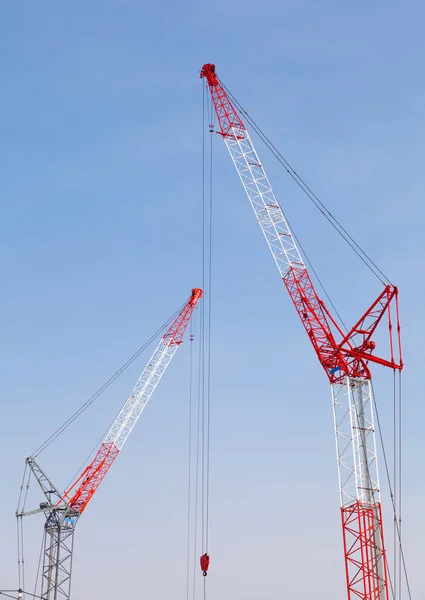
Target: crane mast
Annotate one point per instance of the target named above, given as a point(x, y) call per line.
point(62, 511)
point(345, 358)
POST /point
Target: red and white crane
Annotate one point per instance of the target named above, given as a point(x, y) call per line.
point(62, 511)
point(345, 358)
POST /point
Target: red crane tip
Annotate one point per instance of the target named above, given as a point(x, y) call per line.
point(208, 71)
point(196, 295)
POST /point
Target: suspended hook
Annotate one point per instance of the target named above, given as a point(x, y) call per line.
point(205, 563)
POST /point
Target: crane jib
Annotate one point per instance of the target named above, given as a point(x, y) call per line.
point(339, 354)
point(82, 490)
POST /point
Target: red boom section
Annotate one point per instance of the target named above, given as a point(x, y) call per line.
point(351, 355)
point(177, 330)
point(92, 476)
point(362, 532)
point(227, 115)
point(311, 311)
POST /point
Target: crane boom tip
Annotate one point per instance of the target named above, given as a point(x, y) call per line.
point(208, 71)
point(196, 295)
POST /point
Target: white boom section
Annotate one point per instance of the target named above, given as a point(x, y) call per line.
point(263, 201)
point(141, 393)
point(355, 441)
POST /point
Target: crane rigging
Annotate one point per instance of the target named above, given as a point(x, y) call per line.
point(63, 510)
point(344, 356)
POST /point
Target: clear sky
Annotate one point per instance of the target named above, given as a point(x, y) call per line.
point(100, 149)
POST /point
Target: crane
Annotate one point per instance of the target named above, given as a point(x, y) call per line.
point(63, 510)
point(344, 356)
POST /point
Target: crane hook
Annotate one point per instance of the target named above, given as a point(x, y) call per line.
point(205, 563)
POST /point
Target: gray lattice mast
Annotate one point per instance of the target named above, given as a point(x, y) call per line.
point(63, 510)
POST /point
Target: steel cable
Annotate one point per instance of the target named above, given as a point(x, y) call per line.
point(364, 257)
point(198, 447)
point(208, 342)
point(400, 472)
point(387, 471)
point(189, 483)
point(103, 388)
point(39, 565)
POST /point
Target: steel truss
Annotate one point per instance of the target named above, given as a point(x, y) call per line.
point(363, 538)
point(58, 540)
point(58, 550)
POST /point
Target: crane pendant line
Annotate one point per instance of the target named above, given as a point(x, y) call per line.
point(344, 357)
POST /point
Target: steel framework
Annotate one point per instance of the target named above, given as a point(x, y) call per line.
point(62, 511)
point(344, 357)
point(58, 538)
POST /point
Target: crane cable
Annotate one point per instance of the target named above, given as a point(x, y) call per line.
point(400, 481)
point(103, 387)
point(364, 257)
point(207, 219)
point(196, 510)
point(402, 567)
point(197, 462)
point(189, 445)
point(201, 488)
point(208, 339)
point(200, 386)
point(40, 557)
point(25, 484)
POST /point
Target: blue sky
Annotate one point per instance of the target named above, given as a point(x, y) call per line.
point(100, 114)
